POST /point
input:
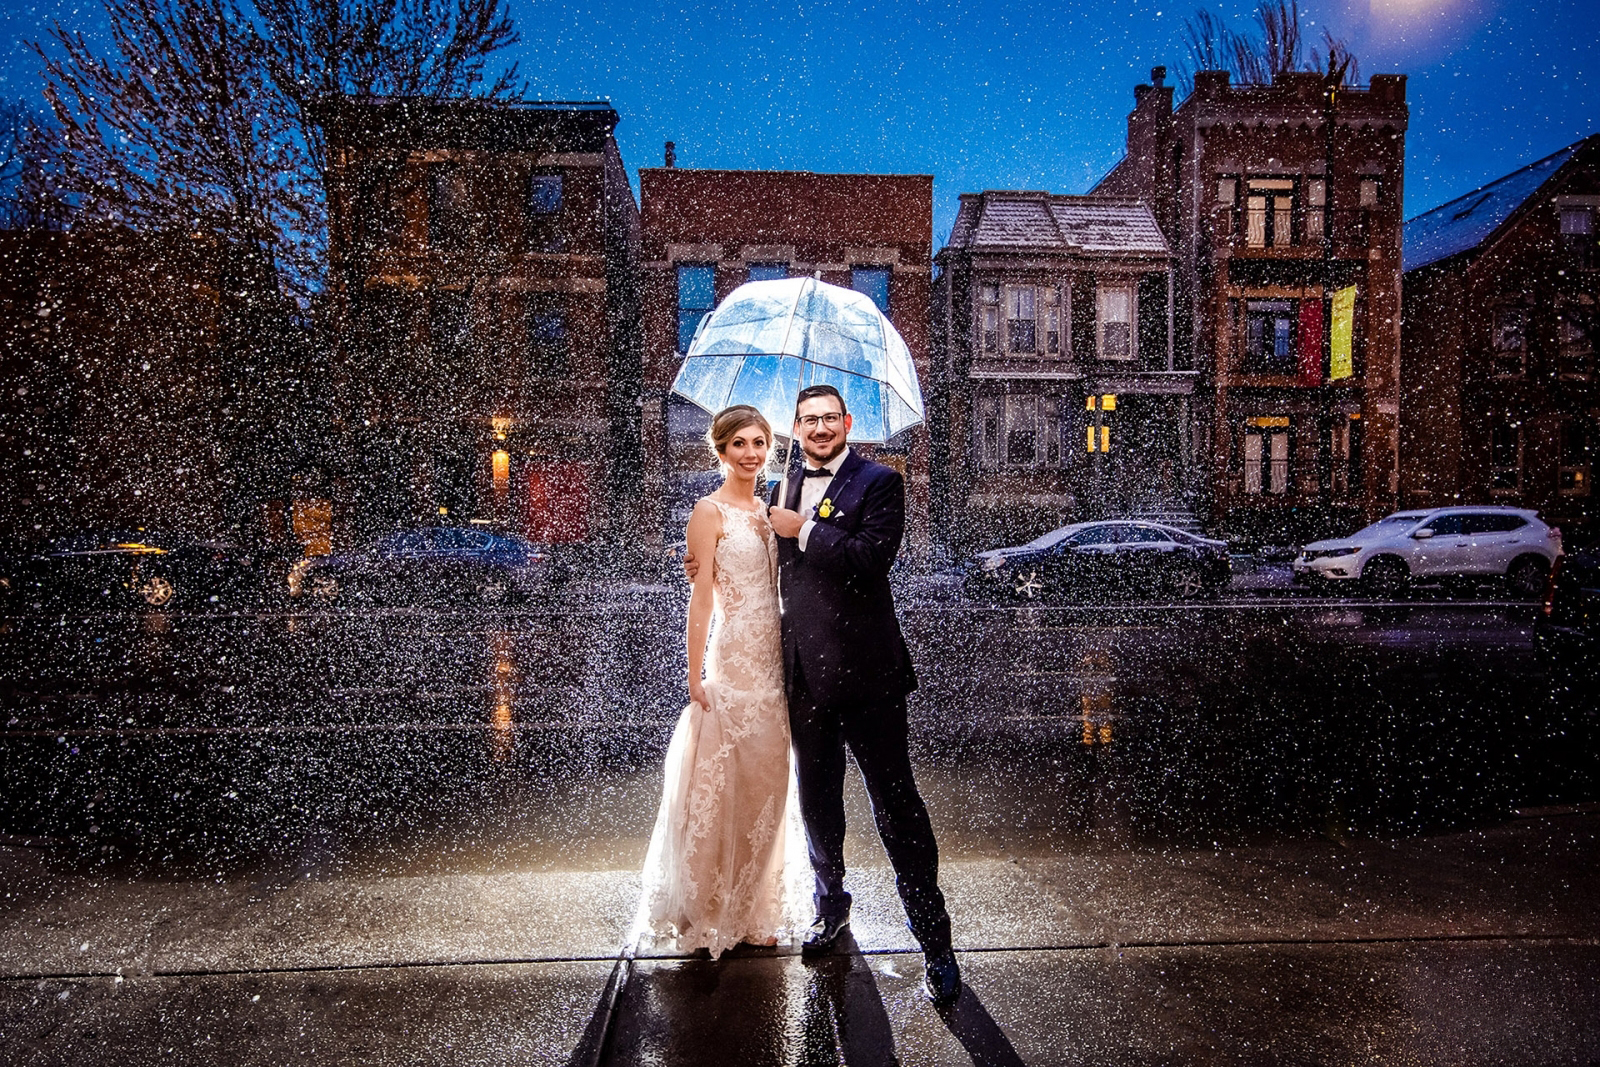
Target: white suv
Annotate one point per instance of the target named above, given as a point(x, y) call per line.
point(1436, 544)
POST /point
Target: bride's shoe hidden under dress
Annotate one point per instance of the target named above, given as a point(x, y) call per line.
point(714, 873)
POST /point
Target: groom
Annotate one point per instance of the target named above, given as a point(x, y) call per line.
point(847, 672)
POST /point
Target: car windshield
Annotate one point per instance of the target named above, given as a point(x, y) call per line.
point(1391, 523)
point(1054, 537)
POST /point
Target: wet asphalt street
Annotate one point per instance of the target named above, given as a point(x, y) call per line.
point(494, 776)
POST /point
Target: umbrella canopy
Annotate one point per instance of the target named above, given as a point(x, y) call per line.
point(768, 340)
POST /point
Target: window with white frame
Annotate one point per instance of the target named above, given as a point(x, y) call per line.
point(1269, 212)
point(1114, 315)
point(1266, 455)
point(1510, 340)
point(1505, 458)
point(1316, 208)
point(989, 317)
point(1018, 431)
point(1052, 321)
point(1021, 319)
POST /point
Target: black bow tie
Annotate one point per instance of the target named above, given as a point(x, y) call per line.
point(820, 472)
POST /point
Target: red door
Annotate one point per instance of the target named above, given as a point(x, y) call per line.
point(558, 503)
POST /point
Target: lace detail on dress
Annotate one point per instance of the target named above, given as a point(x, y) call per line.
point(714, 873)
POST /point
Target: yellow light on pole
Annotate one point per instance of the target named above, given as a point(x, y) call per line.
point(1091, 438)
point(1105, 439)
point(1108, 402)
point(501, 465)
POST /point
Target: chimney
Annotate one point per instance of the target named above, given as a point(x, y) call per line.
point(672, 155)
point(1158, 75)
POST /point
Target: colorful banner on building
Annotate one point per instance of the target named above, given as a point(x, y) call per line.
point(1341, 333)
point(1311, 342)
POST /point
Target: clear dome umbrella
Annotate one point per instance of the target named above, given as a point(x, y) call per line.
point(769, 340)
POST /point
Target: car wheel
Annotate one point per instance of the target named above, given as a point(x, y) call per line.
point(157, 592)
point(1028, 583)
point(1187, 582)
point(494, 591)
point(324, 585)
point(1526, 576)
point(1388, 575)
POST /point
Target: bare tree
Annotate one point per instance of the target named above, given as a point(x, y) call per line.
point(30, 152)
point(1274, 47)
point(198, 116)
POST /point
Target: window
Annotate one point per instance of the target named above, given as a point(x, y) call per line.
point(696, 298)
point(1448, 526)
point(1114, 312)
point(1577, 234)
point(1575, 353)
point(1018, 432)
point(1346, 451)
point(1505, 459)
point(1020, 320)
point(1316, 208)
point(1368, 193)
point(1572, 479)
point(1482, 522)
point(1270, 336)
point(1269, 212)
point(1266, 455)
point(989, 316)
point(1226, 190)
point(768, 272)
point(449, 205)
point(1052, 321)
point(874, 282)
point(544, 213)
point(447, 324)
point(547, 334)
point(1510, 340)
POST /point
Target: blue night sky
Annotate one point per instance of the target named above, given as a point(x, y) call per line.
point(1001, 95)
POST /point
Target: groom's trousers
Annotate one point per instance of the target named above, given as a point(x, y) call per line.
point(876, 732)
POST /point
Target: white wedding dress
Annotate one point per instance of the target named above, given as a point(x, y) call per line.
point(714, 874)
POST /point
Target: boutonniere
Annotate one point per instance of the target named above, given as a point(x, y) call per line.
point(825, 509)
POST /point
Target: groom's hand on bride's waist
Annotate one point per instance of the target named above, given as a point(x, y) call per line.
point(785, 523)
point(691, 566)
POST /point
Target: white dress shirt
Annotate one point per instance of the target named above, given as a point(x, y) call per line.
point(814, 490)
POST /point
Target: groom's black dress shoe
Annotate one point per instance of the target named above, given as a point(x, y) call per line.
point(941, 978)
point(822, 935)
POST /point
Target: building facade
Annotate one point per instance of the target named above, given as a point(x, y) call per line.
point(1282, 204)
point(1054, 395)
point(706, 232)
point(1502, 404)
point(483, 260)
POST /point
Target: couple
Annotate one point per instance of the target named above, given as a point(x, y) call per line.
point(807, 648)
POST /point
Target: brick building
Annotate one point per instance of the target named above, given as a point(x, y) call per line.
point(1498, 349)
point(114, 386)
point(483, 258)
point(706, 232)
point(1054, 393)
point(1286, 232)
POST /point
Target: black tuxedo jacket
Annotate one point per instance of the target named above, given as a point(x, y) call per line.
point(839, 628)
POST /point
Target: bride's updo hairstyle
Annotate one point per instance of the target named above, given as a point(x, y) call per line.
point(730, 420)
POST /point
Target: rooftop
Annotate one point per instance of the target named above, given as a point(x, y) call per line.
point(1464, 223)
point(1035, 221)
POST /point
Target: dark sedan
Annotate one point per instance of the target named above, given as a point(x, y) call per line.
point(433, 563)
point(1566, 630)
point(1102, 560)
point(135, 568)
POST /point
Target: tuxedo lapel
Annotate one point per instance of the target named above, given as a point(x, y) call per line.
point(847, 474)
point(797, 477)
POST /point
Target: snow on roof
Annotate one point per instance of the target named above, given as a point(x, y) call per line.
point(1465, 222)
point(1044, 221)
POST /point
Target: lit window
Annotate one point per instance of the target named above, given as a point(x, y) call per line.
point(1269, 212)
point(1270, 339)
point(1316, 207)
point(696, 298)
point(1114, 311)
point(1266, 456)
point(1573, 476)
point(873, 282)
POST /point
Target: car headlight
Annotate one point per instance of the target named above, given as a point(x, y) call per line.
point(1307, 555)
point(992, 565)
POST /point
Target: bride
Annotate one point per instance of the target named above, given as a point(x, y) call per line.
point(714, 872)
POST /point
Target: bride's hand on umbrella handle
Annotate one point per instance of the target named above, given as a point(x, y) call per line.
point(697, 694)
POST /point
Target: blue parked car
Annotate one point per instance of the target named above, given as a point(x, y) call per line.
point(435, 563)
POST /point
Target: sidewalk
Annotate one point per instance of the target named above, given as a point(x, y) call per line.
point(1476, 947)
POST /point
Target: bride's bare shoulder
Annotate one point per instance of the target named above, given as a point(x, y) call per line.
point(705, 516)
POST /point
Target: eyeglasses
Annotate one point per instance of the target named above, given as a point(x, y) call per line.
point(831, 419)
